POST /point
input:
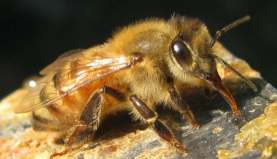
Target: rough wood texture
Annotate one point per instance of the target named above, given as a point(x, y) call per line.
point(220, 136)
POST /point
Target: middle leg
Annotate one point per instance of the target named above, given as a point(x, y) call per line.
point(151, 119)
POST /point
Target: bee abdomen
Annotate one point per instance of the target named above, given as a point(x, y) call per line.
point(40, 122)
point(46, 95)
point(60, 79)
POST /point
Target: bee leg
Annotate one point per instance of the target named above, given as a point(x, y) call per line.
point(90, 117)
point(152, 120)
point(81, 133)
point(89, 120)
point(178, 104)
point(91, 113)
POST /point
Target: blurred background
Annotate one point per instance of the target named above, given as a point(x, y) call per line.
point(34, 32)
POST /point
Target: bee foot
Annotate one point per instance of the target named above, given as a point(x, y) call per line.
point(237, 120)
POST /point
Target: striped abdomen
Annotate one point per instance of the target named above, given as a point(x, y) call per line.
point(66, 111)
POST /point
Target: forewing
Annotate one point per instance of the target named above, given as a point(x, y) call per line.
point(61, 60)
point(31, 100)
point(72, 79)
point(87, 72)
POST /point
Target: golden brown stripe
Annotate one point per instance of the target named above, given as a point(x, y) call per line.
point(53, 108)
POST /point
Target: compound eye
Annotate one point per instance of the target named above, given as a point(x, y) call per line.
point(180, 51)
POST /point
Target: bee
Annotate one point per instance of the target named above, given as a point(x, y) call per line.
point(136, 70)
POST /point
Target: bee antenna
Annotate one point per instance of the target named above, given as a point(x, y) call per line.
point(228, 27)
point(247, 81)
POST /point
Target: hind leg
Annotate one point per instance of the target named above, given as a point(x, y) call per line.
point(89, 120)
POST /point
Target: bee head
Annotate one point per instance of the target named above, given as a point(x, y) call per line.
point(190, 48)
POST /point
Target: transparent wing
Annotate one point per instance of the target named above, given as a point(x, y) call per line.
point(70, 80)
point(61, 60)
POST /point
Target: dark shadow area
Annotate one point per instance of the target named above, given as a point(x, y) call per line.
point(118, 125)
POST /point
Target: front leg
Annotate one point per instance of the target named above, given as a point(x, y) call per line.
point(151, 118)
point(178, 104)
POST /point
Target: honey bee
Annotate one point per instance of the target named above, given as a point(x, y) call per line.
point(136, 70)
